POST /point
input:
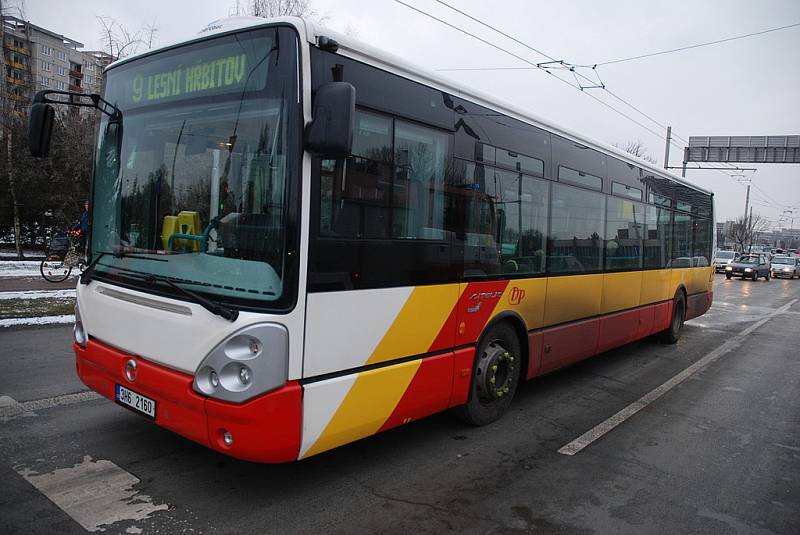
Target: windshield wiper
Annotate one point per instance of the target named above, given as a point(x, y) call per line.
point(88, 272)
point(214, 307)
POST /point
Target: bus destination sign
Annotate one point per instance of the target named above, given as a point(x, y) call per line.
point(216, 74)
point(197, 71)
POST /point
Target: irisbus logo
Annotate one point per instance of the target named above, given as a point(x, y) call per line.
point(516, 295)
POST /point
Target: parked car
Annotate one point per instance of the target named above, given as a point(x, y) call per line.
point(723, 259)
point(749, 266)
point(785, 266)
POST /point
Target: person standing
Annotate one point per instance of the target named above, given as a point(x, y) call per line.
point(83, 226)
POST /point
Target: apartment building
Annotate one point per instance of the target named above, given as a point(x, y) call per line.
point(35, 58)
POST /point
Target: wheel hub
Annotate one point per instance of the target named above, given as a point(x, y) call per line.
point(496, 371)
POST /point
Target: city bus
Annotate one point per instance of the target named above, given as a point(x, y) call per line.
point(299, 241)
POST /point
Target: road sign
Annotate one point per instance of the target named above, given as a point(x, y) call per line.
point(749, 149)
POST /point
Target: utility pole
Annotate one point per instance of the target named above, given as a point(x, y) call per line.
point(750, 229)
point(685, 159)
point(666, 149)
point(747, 200)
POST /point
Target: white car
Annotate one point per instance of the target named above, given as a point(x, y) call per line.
point(785, 266)
point(723, 259)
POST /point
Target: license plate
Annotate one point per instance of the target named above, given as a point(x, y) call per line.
point(136, 401)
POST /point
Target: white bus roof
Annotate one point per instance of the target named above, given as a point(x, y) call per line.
point(358, 50)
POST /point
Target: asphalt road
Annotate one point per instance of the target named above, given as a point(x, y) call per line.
point(718, 453)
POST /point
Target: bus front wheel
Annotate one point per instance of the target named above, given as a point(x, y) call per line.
point(673, 333)
point(495, 376)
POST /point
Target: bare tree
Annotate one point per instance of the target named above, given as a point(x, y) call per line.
point(638, 149)
point(278, 8)
point(12, 121)
point(119, 41)
point(745, 229)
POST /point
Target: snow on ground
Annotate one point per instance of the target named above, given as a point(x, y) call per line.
point(42, 320)
point(38, 294)
point(26, 252)
point(24, 268)
point(20, 268)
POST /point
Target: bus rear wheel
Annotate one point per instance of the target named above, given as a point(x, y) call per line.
point(673, 333)
point(495, 376)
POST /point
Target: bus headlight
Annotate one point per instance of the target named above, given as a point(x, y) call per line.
point(247, 363)
point(78, 332)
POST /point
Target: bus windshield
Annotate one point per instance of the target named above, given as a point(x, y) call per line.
point(196, 173)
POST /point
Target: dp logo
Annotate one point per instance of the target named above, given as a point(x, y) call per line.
point(516, 296)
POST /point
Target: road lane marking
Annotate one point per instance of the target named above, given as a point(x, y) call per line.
point(11, 408)
point(64, 399)
point(604, 427)
point(95, 494)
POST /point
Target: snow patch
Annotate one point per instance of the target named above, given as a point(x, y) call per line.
point(38, 294)
point(41, 320)
point(20, 268)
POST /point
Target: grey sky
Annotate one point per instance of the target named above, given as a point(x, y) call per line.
point(745, 87)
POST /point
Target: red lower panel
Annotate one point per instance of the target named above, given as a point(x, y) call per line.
point(662, 314)
point(647, 319)
point(618, 329)
point(535, 345)
point(463, 360)
point(569, 343)
point(428, 393)
point(178, 407)
point(265, 429)
point(698, 304)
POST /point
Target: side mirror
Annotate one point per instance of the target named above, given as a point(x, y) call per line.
point(40, 128)
point(330, 134)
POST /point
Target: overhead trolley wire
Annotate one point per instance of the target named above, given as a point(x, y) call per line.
point(539, 66)
point(493, 45)
point(698, 45)
point(547, 68)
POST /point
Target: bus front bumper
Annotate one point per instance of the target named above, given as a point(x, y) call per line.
point(264, 429)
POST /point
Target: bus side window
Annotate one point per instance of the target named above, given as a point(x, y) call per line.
point(577, 227)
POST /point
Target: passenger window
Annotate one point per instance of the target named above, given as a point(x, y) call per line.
point(355, 203)
point(391, 187)
point(565, 174)
point(626, 191)
point(624, 228)
point(521, 204)
point(681, 240)
point(656, 237)
point(701, 241)
point(420, 156)
point(576, 230)
point(520, 162)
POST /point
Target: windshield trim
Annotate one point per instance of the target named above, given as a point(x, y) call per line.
point(288, 299)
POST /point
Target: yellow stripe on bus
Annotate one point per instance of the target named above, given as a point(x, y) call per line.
point(371, 400)
point(418, 323)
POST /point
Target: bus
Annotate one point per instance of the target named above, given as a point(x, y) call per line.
point(299, 241)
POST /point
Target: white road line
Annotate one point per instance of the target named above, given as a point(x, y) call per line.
point(65, 399)
point(11, 408)
point(94, 493)
point(601, 429)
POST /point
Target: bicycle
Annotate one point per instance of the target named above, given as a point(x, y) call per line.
point(63, 255)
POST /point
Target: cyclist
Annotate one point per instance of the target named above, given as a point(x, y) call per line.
point(82, 226)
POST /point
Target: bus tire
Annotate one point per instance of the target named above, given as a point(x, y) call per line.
point(495, 376)
point(672, 334)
